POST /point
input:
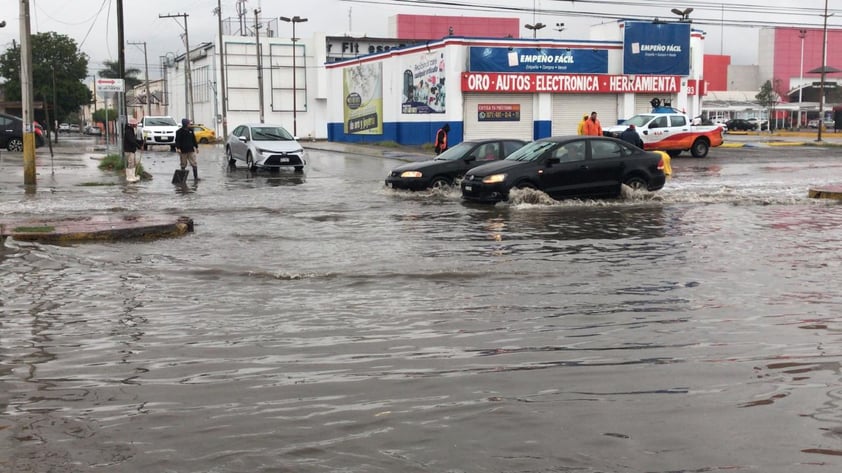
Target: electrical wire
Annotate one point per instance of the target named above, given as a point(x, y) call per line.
point(92, 23)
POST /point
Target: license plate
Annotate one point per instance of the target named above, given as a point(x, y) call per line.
point(468, 188)
point(284, 160)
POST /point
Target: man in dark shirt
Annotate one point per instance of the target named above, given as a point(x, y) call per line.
point(187, 146)
point(631, 136)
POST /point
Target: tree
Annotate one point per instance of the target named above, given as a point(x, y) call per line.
point(768, 98)
point(112, 71)
point(53, 55)
point(100, 115)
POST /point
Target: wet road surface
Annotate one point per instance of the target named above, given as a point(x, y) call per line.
point(321, 323)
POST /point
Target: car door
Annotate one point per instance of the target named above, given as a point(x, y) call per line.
point(606, 164)
point(238, 147)
point(7, 130)
point(481, 154)
point(565, 169)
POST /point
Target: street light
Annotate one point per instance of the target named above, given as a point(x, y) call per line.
point(802, 33)
point(684, 14)
point(535, 28)
point(824, 71)
point(294, 20)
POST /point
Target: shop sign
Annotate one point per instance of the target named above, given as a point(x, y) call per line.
point(545, 60)
point(503, 112)
point(568, 83)
point(697, 87)
point(656, 48)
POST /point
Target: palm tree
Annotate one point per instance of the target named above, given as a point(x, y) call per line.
point(112, 71)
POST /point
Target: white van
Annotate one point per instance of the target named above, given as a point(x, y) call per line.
point(157, 131)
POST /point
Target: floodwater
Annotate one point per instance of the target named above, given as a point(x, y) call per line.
point(322, 323)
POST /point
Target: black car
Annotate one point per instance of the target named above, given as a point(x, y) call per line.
point(11, 133)
point(740, 124)
point(450, 165)
point(567, 166)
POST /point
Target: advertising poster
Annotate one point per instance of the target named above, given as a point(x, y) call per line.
point(498, 112)
point(543, 60)
point(656, 48)
point(363, 90)
point(423, 85)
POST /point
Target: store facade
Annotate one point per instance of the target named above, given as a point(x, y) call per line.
point(518, 88)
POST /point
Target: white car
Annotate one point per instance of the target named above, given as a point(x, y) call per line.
point(157, 131)
point(262, 145)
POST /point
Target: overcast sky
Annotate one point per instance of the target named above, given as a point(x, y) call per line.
point(92, 23)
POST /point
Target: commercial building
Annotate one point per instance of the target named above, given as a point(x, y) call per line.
point(519, 88)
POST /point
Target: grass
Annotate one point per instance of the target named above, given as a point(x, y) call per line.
point(44, 229)
point(112, 162)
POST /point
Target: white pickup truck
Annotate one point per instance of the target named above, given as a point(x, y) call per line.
point(157, 131)
point(666, 129)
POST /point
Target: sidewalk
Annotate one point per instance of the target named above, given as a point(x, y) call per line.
point(388, 151)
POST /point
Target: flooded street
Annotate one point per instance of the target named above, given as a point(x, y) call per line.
point(323, 323)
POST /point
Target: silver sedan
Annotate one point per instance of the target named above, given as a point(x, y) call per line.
point(261, 145)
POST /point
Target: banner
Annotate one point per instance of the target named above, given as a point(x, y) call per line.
point(423, 84)
point(656, 48)
point(502, 112)
point(568, 83)
point(362, 86)
point(545, 60)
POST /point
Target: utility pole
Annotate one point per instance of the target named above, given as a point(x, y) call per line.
point(188, 65)
point(218, 12)
point(146, 66)
point(55, 105)
point(27, 96)
point(259, 62)
point(121, 58)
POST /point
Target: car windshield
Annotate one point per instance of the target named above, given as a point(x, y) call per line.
point(160, 121)
point(639, 120)
point(270, 133)
point(531, 151)
point(455, 153)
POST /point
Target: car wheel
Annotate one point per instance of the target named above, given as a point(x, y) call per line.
point(231, 161)
point(636, 183)
point(299, 169)
point(203, 141)
point(440, 182)
point(700, 148)
point(15, 144)
point(525, 185)
point(250, 162)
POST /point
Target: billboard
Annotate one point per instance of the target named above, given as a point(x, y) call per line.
point(363, 91)
point(538, 60)
point(656, 48)
point(423, 88)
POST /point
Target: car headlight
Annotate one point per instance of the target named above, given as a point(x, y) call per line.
point(494, 179)
point(415, 174)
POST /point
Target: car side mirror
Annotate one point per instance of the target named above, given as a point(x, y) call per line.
point(470, 158)
point(242, 138)
point(554, 160)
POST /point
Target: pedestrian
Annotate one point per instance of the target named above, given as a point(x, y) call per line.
point(630, 135)
point(581, 129)
point(187, 146)
point(130, 147)
point(592, 126)
point(441, 138)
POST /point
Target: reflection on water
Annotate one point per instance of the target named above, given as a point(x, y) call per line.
point(328, 324)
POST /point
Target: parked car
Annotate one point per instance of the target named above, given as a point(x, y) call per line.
point(203, 133)
point(760, 124)
point(740, 124)
point(262, 145)
point(567, 166)
point(157, 130)
point(450, 165)
point(64, 128)
point(93, 130)
point(828, 123)
point(11, 133)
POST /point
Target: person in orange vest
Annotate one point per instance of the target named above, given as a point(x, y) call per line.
point(592, 126)
point(581, 129)
point(441, 138)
